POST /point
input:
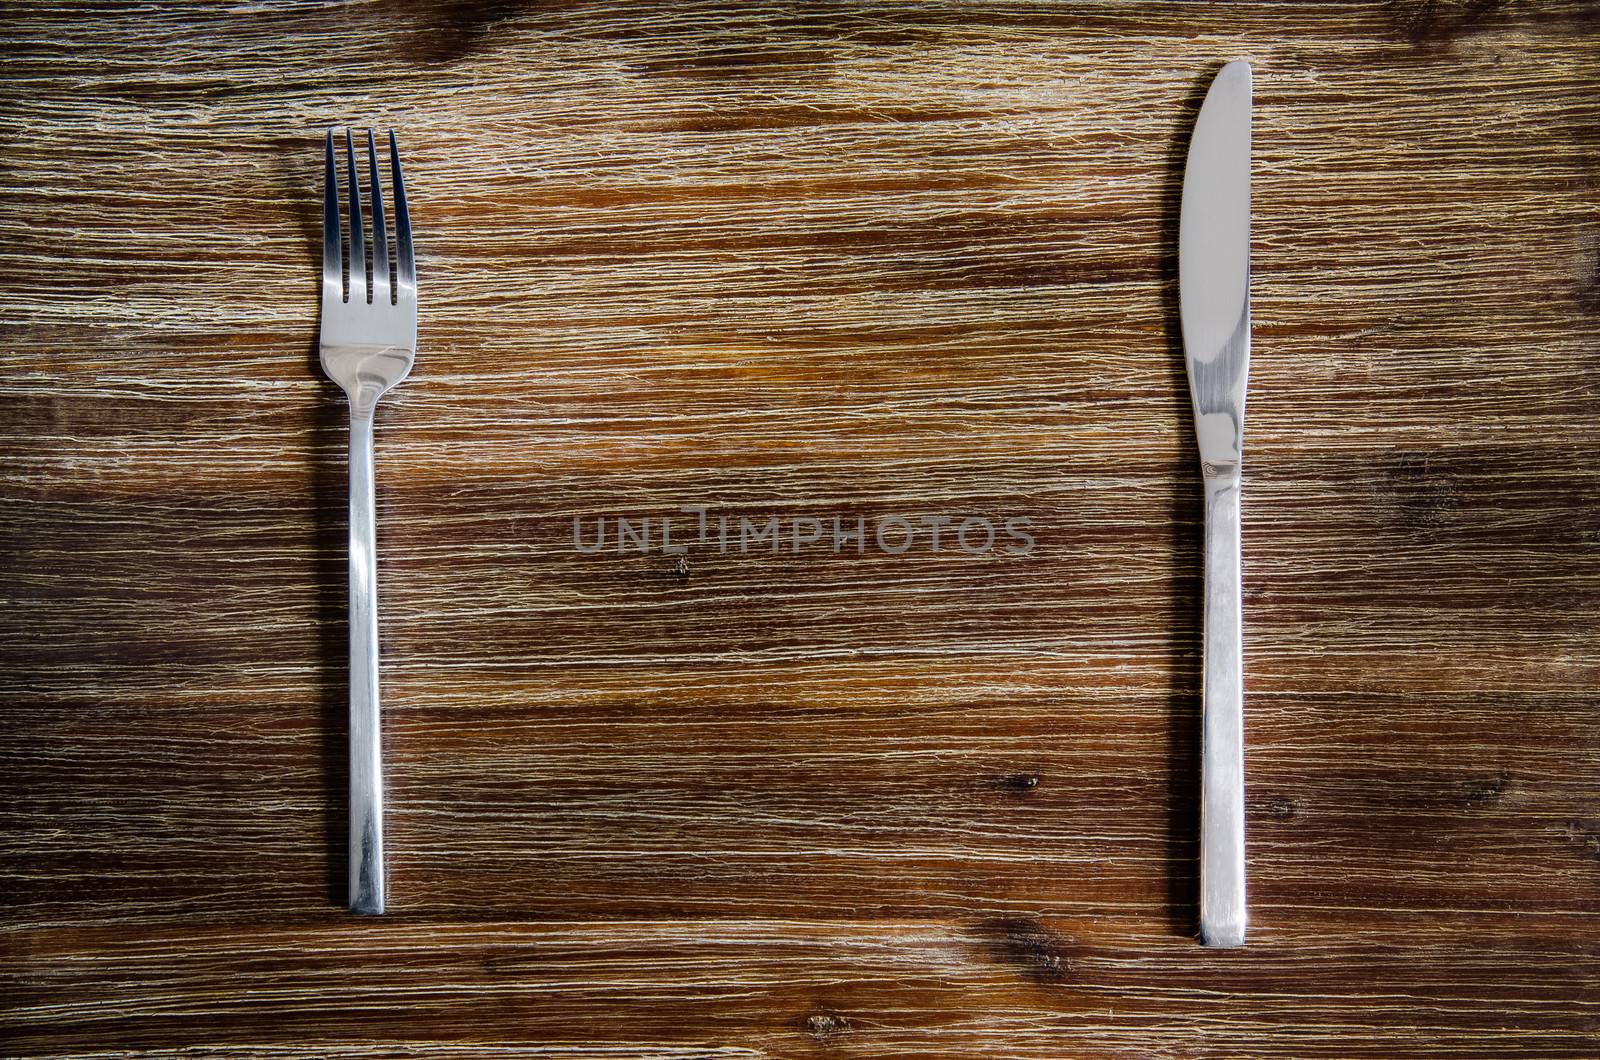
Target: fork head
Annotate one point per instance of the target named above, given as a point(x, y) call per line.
point(369, 312)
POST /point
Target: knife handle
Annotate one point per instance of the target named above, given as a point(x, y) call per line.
point(366, 749)
point(1222, 890)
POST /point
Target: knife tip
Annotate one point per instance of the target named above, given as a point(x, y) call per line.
point(1237, 70)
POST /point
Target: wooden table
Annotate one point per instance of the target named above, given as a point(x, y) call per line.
point(800, 260)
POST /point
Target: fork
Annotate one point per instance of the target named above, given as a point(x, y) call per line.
point(369, 339)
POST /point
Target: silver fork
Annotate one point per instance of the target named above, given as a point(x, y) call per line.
point(369, 339)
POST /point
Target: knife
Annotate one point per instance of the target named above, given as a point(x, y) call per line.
point(1214, 299)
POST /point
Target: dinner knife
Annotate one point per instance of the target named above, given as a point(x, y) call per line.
point(1214, 299)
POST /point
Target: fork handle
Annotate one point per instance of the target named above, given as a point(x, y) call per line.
point(366, 751)
point(1222, 889)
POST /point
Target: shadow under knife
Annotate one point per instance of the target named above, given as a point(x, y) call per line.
point(1185, 614)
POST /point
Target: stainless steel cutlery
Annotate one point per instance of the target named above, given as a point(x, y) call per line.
point(1214, 299)
point(369, 339)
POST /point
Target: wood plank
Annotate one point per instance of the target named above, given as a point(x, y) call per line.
point(1019, 986)
point(842, 259)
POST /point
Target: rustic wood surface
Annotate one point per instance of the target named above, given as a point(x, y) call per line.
point(799, 259)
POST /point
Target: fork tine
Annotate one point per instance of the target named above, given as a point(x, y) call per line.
point(380, 235)
point(406, 278)
point(358, 250)
point(332, 252)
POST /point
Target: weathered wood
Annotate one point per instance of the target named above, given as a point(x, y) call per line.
point(846, 259)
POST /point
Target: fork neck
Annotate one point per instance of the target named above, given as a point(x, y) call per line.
point(365, 373)
point(362, 408)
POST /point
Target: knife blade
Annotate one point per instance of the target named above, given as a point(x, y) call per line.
point(1214, 302)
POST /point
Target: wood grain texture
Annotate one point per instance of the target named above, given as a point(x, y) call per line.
point(799, 259)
